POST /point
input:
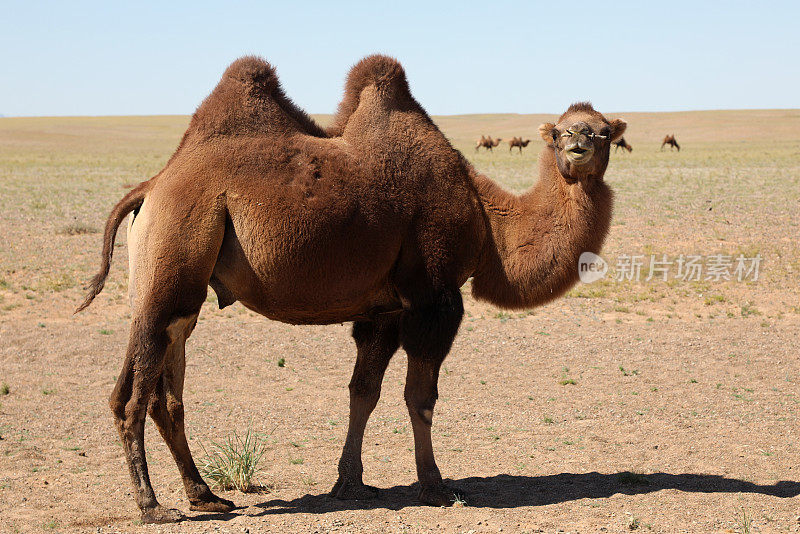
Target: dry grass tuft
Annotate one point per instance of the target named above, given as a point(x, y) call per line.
point(234, 463)
point(78, 229)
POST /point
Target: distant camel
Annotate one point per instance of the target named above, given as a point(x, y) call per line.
point(622, 143)
point(670, 140)
point(352, 223)
point(487, 142)
point(518, 142)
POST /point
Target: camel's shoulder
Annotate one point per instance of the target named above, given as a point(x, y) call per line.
point(249, 100)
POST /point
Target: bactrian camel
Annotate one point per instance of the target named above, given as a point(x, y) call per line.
point(487, 142)
point(377, 220)
point(670, 140)
point(623, 144)
point(518, 142)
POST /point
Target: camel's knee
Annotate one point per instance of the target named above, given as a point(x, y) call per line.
point(164, 407)
point(121, 395)
point(127, 415)
point(174, 410)
point(130, 400)
point(117, 407)
point(365, 388)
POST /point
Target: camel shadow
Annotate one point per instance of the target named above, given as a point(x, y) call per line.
point(512, 491)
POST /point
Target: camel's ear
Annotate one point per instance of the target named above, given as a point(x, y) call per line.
point(618, 127)
point(546, 131)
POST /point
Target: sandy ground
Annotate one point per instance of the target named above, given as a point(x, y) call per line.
point(683, 415)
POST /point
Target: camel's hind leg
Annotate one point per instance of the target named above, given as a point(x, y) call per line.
point(152, 378)
point(376, 343)
point(140, 373)
point(172, 257)
point(166, 409)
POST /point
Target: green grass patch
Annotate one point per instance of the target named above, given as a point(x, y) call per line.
point(233, 464)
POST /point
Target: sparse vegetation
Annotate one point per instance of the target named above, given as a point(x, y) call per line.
point(565, 380)
point(745, 522)
point(748, 309)
point(233, 464)
point(77, 228)
point(714, 299)
point(459, 501)
point(503, 316)
point(57, 283)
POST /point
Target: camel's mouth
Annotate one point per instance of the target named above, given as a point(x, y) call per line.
point(579, 155)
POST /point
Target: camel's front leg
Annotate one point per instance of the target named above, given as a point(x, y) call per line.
point(427, 336)
point(376, 343)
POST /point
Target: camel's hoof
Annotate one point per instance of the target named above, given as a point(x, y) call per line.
point(213, 504)
point(439, 495)
point(158, 515)
point(353, 491)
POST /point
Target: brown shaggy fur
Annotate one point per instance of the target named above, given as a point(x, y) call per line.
point(670, 140)
point(378, 220)
point(623, 144)
point(518, 142)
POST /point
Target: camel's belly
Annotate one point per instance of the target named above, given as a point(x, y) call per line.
point(320, 299)
point(307, 273)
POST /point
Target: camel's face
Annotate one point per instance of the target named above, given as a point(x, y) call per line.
point(582, 140)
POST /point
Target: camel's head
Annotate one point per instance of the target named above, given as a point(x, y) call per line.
point(581, 141)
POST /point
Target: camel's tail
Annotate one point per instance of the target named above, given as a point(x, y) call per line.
point(129, 202)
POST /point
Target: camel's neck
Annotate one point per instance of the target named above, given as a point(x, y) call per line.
point(531, 255)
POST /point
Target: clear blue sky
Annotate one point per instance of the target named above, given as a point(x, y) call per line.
point(107, 58)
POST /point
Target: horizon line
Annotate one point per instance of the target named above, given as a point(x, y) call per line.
point(469, 114)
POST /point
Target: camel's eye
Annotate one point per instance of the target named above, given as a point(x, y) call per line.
point(588, 133)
